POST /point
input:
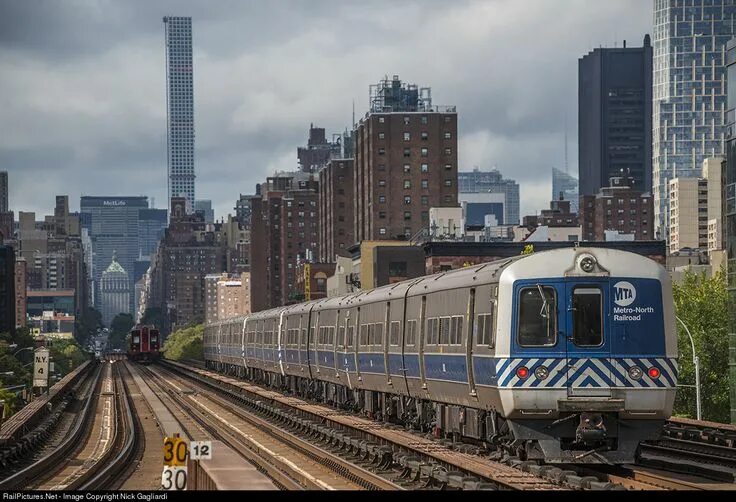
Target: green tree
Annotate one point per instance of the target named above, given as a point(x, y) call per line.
point(67, 355)
point(185, 343)
point(701, 303)
point(119, 329)
point(87, 324)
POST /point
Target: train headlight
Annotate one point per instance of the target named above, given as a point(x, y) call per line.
point(635, 373)
point(654, 372)
point(523, 372)
point(587, 264)
point(541, 372)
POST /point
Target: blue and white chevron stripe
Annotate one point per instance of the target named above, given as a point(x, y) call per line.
point(586, 373)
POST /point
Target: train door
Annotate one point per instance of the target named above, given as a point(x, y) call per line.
point(588, 347)
point(145, 345)
point(281, 342)
point(422, 341)
point(386, 340)
point(358, 342)
point(469, 340)
point(243, 342)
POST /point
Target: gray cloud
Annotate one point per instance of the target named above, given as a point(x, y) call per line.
point(82, 85)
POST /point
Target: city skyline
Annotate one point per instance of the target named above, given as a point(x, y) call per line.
point(113, 102)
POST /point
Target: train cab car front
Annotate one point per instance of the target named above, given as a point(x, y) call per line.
point(591, 370)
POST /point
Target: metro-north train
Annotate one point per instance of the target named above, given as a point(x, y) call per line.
point(566, 356)
point(144, 344)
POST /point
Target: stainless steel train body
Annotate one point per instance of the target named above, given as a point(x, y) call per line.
point(565, 355)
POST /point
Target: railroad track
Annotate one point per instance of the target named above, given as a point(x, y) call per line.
point(392, 450)
point(97, 448)
point(290, 461)
point(51, 432)
point(435, 463)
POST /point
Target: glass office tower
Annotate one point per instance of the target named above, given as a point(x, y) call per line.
point(689, 109)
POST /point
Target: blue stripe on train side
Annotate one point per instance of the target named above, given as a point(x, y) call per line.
point(452, 367)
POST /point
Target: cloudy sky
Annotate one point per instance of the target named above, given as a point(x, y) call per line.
point(83, 97)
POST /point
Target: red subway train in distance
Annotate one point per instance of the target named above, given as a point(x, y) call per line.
point(144, 344)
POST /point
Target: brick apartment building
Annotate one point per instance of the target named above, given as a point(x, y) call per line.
point(405, 161)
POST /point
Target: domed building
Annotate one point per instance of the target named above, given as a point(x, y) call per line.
point(114, 291)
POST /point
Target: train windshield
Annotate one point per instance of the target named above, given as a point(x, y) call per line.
point(538, 317)
point(588, 317)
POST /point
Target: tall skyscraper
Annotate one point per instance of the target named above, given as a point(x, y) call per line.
point(492, 182)
point(729, 218)
point(689, 91)
point(615, 117)
point(567, 186)
point(180, 108)
point(113, 225)
point(3, 191)
point(115, 292)
point(405, 161)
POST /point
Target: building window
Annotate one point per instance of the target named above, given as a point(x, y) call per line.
point(407, 184)
point(425, 152)
point(407, 215)
point(381, 120)
point(406, 120)
point(382, 215)
point(425, 183)
point(381, 167)
point(425, 135)
point(407, 199)
point(425, 215)
point(381, 151)
point(407, 168)
point(448, 151)
point(447, 119)
point(382, 199)
point(382, 231)
point(341, 191)
point(448, 135)
point(407, 152)
point(448, 167)
point(425, 168)
point(448, 198)
point(381, 135)
point(425, 200)
point(424, 119)
point(407, 136)
point(448, 183)
point(381, 183)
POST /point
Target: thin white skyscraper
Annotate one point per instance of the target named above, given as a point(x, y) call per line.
point(180, 108)
point(689, 122)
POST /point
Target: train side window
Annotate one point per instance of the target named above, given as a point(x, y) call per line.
point(379, 334)
point(304, 336)
point(351, 335)
point(341, 337)
point(588, 317)
point(484, 330)
point(411, 329)
point(363, 335)
point(537, 317)
point(395, 331)
point(331, 341)
point(433, 331)
point(456, 331)
point(444, 331)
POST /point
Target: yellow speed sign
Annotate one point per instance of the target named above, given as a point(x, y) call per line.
point(175, 451)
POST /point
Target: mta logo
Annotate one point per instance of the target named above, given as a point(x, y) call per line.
point(624, 293)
